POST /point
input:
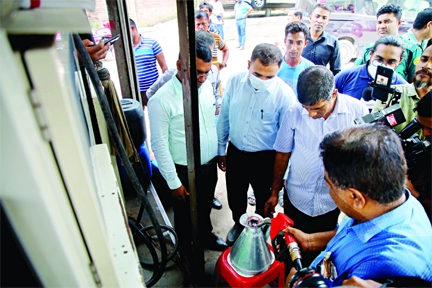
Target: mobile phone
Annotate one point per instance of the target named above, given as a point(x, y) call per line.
point(111, 40)
point(383, 79)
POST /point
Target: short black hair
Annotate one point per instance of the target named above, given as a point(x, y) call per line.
point(203, 51)
point(422, 18)
point(267, 54)
point(132, 23)
point(297, 12)
point(390, 8)
point(315, 83)
point(391, 40)
point(424, 105)
point(205, 37)
point(323, 6)
point(206, 4)
point(296, 27)
point(201, 14)
point(366, 157)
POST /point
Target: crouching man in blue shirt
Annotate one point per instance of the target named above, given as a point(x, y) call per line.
point(386, 232)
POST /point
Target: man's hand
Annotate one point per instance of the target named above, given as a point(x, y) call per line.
point(358, 282)
point(222, 163)
point(96, 52)
point(180, 193)
point(269, 206)
point(303, 239)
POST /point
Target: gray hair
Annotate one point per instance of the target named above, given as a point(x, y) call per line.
point(367, 157)
point(205, 37)
point(315, 83)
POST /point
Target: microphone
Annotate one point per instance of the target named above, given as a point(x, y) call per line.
point(367, 94)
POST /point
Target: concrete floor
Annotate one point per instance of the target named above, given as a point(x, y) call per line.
point(222, 223)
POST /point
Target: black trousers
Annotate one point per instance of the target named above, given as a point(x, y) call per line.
point(244, 168)
point(205, 187)
point(308, 224)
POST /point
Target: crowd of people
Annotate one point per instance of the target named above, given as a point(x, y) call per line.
point(285, 127)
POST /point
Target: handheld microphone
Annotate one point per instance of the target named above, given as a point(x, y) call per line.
point(367, 94)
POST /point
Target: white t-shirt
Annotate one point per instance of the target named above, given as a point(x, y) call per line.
point(218, 10)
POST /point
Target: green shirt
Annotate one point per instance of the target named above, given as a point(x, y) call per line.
point(410, 37)
point(407, 66)
point(408, 100)
point(364, 56)
point(167, 127)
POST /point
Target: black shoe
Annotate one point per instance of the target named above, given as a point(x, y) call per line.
point(234, 233)
point(216, 204)
point(215, 243)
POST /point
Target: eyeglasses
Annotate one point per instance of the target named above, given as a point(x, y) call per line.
point(205, 74)
point(378, 62)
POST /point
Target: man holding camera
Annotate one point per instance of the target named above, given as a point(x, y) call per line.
point(387, 51)
point(386, 232)
point(412, 93)
point(419, 176)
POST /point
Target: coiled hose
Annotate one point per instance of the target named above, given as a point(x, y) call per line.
point(159, 267)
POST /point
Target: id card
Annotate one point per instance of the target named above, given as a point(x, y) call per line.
point(328, 269)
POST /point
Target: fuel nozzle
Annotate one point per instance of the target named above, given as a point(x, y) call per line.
point(294, 251)
point(284, 243)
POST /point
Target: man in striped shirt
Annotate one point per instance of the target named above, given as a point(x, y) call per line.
point(147, 52)
point(321, 110)
point(202, 22)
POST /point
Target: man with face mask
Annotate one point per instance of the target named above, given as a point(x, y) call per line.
point(321, 110)
point(412, 93)
point(250, 116)
point(387, 51)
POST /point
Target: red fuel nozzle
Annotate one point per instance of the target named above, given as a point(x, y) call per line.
point(284, 243)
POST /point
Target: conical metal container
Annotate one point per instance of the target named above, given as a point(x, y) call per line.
point(250, 254)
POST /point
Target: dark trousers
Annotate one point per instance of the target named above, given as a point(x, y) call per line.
point(308, 224)
point(244, 168)
point(205, 188)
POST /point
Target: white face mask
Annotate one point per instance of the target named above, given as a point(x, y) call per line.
point(258, 84)
point(372, 70)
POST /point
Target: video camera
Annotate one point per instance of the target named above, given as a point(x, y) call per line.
point(390, 116)
point(417, 152)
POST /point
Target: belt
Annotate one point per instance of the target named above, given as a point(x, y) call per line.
point(202, 166)
point(241, 19)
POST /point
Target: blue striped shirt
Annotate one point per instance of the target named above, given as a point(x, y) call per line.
point(251, 119)
point(301, 135)
point(397, 243)
point(145, 59)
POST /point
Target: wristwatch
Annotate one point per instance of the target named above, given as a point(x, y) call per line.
point(225, 64)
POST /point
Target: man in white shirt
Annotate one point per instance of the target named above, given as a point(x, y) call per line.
point(321, 110)
point(251, 112)
point(168, 142)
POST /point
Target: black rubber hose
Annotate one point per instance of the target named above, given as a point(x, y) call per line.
point(136, 232)
point(176, 241)
point(115, 137)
